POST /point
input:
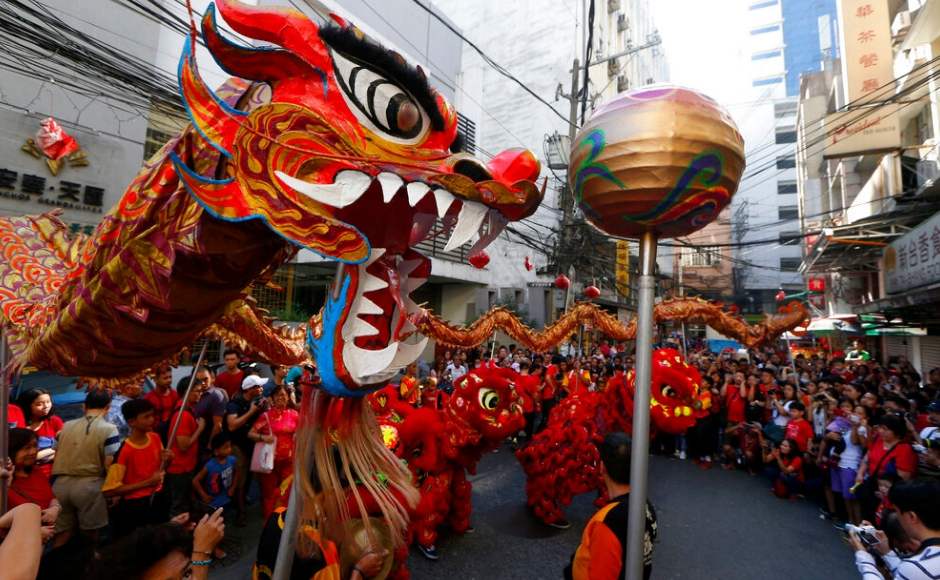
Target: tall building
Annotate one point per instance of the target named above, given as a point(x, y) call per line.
point(538, 42)
point(869, 178)
point(788, 38)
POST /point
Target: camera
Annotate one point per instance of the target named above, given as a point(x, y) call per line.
point(865, 533)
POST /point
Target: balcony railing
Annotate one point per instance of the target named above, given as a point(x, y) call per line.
point(434, 246)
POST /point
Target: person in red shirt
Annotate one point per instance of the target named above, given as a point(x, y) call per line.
point(277, 426)
point(788, 460)
point(163, 400)
point(15, 417)
point(528, 386)
point(799, 429)
point(888, 452)
point(36, 405)
point(185, 450)
point(136, 476)
point(28, 484)
point(230, 378)
point(579, 380)
point(734, 396)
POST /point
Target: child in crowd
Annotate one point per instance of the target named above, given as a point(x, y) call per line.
point(786, 464)
point(185, 449)
point(136, 477)
point(37, 411)
point(29, 485)
point(215, 482)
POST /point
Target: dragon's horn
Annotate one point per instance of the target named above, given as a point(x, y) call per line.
point(286, 27)
point(249, 62)
point(212, 117)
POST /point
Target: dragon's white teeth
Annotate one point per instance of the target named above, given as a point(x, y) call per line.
point(411, 284)
point(444, 199)
point(366, 306)
point(347, 187)
point(406, 267)
point(374, 255)
point(409, 326)
point(416, 192)
point(390, 183)
point(358, 327)
point(408, 353)
point(495, 225)
point(468, 223)
point(372, 283)
point(363, 363)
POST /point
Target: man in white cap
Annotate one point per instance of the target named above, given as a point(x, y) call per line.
point(240, 414)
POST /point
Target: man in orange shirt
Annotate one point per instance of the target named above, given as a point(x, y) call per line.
point(137, 474)
point(408, 388)
point(602, 552)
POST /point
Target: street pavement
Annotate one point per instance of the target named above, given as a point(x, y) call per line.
point(712, 525)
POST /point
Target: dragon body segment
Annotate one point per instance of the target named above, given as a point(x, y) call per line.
point(324, 141)
point(562, 460)
point(442, 446)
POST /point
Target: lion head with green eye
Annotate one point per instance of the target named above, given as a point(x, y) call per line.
point(486, 399)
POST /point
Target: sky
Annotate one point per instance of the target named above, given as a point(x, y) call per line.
point(706, 46)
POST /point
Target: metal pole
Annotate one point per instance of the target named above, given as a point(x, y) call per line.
point(288, 543)
point(4, 419)
point(189, 388)
point(639, 463)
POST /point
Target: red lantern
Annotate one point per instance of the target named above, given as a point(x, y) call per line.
point(562, 282)
point(780, 296)
point(528, 264)
point(592, 292)
point(479, 260)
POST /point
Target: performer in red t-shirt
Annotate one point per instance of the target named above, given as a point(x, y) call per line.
point(230, 378)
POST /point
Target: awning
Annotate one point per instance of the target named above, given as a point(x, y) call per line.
point(919, 307)
point(831, 325)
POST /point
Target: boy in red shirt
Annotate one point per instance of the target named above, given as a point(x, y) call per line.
point(185, 449)
point(799, 429)
point(137, 473)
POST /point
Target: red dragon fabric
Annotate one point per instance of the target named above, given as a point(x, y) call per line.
point(562, 460)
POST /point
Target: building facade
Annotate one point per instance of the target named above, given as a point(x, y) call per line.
point(538, 43)
point(788, 38)
point(868, 169)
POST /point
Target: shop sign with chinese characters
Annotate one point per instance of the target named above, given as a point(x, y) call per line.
point(22, 186)
point(913, 260)
point(868, 77)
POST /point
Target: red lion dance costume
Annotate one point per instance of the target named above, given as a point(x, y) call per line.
point(562, 460)
point(443, 445)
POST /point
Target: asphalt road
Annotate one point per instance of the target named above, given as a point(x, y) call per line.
point(712, 525)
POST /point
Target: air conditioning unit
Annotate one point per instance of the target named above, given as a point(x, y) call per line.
point(612, 67)
point(900, 26)
point(927, 172)
point(623, 83)
point(622, 23)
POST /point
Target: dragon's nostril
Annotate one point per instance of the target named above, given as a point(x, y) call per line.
point(473, 169)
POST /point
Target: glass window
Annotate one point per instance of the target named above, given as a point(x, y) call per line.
point(765, 82)
point(788, 212)
point(763, 55)
point(701, 256)
point(786, 186)
point(786, 162)
point(765, 29)
point(783, 137)
point(790, 238)
point(764, 4)
point(790, 264)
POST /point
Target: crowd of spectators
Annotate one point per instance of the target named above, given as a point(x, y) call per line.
point(151, 463)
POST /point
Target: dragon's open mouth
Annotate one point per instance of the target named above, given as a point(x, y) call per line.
point(378, 338)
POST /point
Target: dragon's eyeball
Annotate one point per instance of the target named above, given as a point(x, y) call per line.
point(668, 391)
point(489, 398)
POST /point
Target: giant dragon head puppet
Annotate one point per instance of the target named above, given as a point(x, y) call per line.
point(346, 150)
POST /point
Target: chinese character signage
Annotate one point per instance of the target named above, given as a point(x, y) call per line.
point(623, 268)
point(816, 284)
point(913, 260)
point(868, 77)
